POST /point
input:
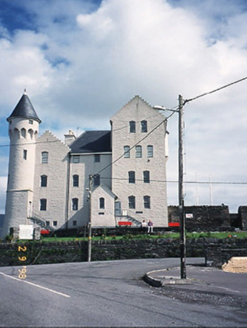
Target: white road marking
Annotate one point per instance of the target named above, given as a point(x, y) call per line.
point(35, 285)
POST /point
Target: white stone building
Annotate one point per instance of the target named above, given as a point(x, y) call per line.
point(49, 180)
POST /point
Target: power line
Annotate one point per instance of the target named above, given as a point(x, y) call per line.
point(218, 89)
point(186, 182)
point(138, 142)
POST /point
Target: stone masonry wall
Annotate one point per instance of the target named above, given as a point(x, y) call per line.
point(203, 218)
point(216, 251)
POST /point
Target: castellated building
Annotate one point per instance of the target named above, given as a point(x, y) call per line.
point(108, 178)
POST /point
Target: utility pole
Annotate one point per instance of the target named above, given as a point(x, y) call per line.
point(90, 219)
point(181, 191)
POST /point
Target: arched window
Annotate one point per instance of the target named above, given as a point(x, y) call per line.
point(44, 157)
point(146, 201)
point(16, 133)
point(149, 151)
point(75, 204)
point(23, 133)
point(138, 151)
point(43, 181)
point(146, 176)
point(144, 126)
point(30, 133)
point(132, 126)
point(132, 202)
point(102, 203)
point(132, 178)
point(126, 151)
point(75, 180)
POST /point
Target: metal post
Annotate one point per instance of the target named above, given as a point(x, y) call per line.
point(90, 219)
point(181, 192)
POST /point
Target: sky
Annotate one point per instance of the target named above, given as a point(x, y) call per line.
point(82, 60)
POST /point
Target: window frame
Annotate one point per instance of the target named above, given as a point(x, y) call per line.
point(96, 180)
point(138, 151)
point(146, 176)
point(96, 158)
point(43, 180)
point(144, 126)
point(147, 202)
point(76, 158)
point(75, 203)
point(132, 176)
point(44, 157)
point(150, 151)
point(132, 202)
point(75, 180)
point(132, 127)
point(126, 151)
point(102, 203)
point(25, 154)
point(43, 204)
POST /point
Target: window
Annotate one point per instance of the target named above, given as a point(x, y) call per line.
point(146, 176)
point(96, 180)
point(30, 133)
point(138, 151)
point(144, 126)
point(24, 154)
point(75, 204)
point(43, 203)
point(43, 181)
point(76, 159)
point(149, 151)
point(126, 151)
point(47, 223)
point(75, 180)
point(44, 156)
point(132, 202)
point(132, 125)
point(102, 203)
point(30, 121)
point(97, 158)
point(23, 133)
point(132, 177)
point(146, 201)
point(74, 223)
point(54, 223)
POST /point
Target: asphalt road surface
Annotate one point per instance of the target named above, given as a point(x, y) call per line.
point(113, 294)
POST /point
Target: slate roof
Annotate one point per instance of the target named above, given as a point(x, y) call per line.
point(92, 142)
point(24, 109)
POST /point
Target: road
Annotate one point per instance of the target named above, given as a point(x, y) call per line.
point(112, 293)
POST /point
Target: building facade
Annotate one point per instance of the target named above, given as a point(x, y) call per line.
point(105, 177)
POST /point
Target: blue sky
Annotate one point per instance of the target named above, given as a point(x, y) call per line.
point(81, 61)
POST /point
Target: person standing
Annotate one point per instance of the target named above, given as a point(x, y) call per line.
point(150, 226)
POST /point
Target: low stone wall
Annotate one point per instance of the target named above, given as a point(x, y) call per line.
point(216, 251)
point(42, 253)
point(203, 218)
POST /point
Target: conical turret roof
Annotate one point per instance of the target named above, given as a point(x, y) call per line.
point(24, 109)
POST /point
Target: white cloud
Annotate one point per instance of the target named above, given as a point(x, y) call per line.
point(81, 65)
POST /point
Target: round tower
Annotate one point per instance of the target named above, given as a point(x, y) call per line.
point(23, 133)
